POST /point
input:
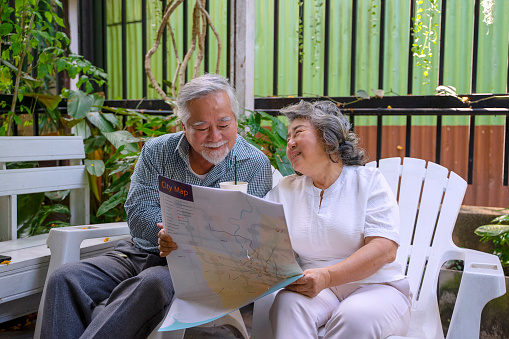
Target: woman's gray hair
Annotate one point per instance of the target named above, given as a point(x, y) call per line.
point(334, 128)
point(201, 87)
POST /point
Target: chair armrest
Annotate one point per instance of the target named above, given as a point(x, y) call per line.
point(483, 280)
point(64, 243)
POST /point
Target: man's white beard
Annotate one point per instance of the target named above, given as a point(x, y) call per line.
point(215, 157)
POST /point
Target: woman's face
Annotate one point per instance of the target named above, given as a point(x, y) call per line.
point(305, 148)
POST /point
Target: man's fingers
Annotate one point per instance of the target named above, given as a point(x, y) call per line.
point(160, 225)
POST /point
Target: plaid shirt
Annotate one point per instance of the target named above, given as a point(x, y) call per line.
point(168, 155)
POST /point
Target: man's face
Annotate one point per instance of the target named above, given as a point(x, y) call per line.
point(212, 128)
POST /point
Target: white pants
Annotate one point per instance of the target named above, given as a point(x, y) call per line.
point(347, 311)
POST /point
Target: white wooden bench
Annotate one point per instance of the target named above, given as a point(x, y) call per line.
point(22, 281)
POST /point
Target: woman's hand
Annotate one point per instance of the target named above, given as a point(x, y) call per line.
point(166, 244)
point(313, 282)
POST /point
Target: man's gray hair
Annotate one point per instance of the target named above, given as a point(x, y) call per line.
point(333, 127)
point(201, 87)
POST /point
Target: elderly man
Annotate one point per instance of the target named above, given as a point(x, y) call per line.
point(134, 277)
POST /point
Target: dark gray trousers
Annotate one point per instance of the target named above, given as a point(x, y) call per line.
point(138, 287)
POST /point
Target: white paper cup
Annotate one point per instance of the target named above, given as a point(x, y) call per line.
point(230, 185)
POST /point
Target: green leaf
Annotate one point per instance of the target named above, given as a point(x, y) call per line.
point(16, 47)
point(123, 167)
point(150, 132)
point(48, 16)
point(283, 164)
point(98, 100)
point(119, 138)
point(69, 123)
point(115, 156)
point(361, 94)
point(34, 43)
point(61, 64)
point(57, 208)
point(27, 206)
point(79, 104)
point(57, 195)
point(95, 167)
point(31, 81)
point(5, 28)
point(503, 219)
point(82, 130)
point(17, 118)
point(98, 120)
point(279, 128)
point(94, 143)
point(120, 183)
point(447, 90)
point(135, 113)
point(73, 71)
point(112, 119)
point(50, 101)
point(59, 21)
point(114, 201)
point(491, 230)
point(379, 93)
point(89, 87)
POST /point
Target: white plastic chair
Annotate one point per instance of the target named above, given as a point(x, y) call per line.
point(429, 199)
point(64, 244)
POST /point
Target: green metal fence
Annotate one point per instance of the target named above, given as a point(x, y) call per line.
point(353, 57)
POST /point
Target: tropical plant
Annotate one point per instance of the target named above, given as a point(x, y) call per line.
point(268, 134)
point(111, 148)
point(498, 234)
point(35, 51)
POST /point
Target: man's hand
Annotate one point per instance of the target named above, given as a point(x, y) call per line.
point(313, 282)
point(166, 244)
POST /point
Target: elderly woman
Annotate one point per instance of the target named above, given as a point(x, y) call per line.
point(343, 223)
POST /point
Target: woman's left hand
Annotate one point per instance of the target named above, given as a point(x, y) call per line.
point(313, 282)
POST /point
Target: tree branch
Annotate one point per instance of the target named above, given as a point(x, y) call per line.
point(153, 81)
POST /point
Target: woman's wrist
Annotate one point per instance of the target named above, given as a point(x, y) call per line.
point(328, 278)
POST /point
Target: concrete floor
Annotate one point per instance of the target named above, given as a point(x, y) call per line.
point(27, 331)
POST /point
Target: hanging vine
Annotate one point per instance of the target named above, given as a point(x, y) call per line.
point(315, 39)
point(488, 6)
point(425, 34)
point(201, 21)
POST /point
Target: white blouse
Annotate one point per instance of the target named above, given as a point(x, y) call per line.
point(358, 204)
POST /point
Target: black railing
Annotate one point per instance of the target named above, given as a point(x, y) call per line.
point(405, 106)
point(408, 106)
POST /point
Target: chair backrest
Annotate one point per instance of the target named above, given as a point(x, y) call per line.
point(14, 182)
point(429, 199)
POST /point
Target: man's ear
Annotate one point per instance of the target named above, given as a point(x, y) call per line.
point(183, 127)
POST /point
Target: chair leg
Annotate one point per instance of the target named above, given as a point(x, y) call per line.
point(233, 321)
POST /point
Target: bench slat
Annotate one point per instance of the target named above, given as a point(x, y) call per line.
point(34, 180)
point(41, 148)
